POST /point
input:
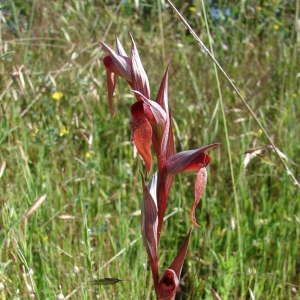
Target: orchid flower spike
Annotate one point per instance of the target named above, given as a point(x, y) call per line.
point(118, 63)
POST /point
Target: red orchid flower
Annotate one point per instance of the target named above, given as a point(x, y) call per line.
point(129, 68)
point(145, 112)
point(168, 283)
point(192, 160)
point(167, 286)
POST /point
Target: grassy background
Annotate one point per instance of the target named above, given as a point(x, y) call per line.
point(71, 149)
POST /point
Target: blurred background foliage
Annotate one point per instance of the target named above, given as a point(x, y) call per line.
point(57, 137)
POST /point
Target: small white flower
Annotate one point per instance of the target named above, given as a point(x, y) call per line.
point(76, 270)
point(30, 272)
point(60, 297)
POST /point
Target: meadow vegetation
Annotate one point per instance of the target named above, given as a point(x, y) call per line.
point(57, 138)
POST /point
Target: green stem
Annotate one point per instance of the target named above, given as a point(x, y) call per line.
point(237, 208)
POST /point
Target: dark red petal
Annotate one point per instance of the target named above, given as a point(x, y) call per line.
point(141, 134)
point(168, 285)
point(199, 188)
point(191, 160)
point(139, 76)
point(200, 161)
point(159, 114)
point(137, 110)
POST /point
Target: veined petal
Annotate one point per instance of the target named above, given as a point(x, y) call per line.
point(167, 143)
point(199, 188)
point(149, 219)
point(139, 76)
point(152, 187)
point(162, 96)
point(149, 223)
point(190, 160)
point(120, 48)
point(141, 134)
point(158, 112)
point(121, 64)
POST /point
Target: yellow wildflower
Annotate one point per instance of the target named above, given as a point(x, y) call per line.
point(35, 129)
point(294, 95)
point(192, 8)
point(258, 133)
point(258, 8)
point(63, 131)
point(57, 96)
point(265, 3)
point(88, 154)
point(276, 27)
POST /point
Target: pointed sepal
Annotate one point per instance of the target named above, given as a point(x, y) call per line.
point(119, 64)
point(139, 76)
point(149, 223)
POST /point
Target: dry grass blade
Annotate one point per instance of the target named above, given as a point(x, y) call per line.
point(281, 154)
point(66, 217)
point(36, 204)
point(2, 168)
point(215, 295)
point(210, 55)
point(257, 152)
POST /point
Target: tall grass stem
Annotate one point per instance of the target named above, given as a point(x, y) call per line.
point(206, 50)
point(236, 201)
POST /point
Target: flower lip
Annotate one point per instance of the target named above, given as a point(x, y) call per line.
point(167, 285)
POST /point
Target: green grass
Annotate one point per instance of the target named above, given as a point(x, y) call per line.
point(83, 160)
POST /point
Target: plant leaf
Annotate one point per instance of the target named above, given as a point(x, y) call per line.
point(6, 53)
point(105, 281)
